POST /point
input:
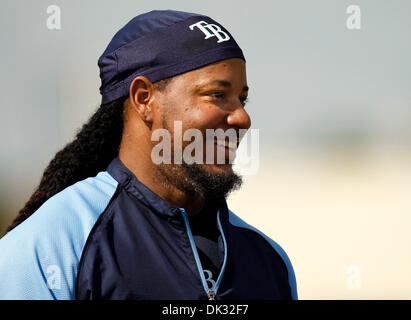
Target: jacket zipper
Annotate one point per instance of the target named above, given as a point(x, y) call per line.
point(211, 292)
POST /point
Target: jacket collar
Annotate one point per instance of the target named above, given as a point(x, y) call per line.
point(129, 181)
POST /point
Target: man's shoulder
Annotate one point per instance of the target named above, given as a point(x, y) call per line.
point(51, 240)
point(238, 222)
point(80, 203)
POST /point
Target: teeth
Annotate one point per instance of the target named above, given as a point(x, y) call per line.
point(226, 143)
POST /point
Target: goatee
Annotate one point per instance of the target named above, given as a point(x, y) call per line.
point(196, 179)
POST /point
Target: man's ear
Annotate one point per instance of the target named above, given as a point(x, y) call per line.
point(141, 93)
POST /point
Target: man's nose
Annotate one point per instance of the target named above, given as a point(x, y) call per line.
point(239, 118)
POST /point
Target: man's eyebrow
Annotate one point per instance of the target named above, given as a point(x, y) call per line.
point(225, 83)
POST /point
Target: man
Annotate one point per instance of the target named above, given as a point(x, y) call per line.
point(110, 222)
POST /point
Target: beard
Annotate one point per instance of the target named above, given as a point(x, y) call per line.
point(196, 179)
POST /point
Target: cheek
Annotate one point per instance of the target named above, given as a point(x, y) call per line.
point(200, 116)
point(203, 117)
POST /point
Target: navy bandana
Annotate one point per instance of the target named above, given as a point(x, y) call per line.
point(159, 45)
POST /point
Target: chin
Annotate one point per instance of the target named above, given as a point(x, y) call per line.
point(219, 168)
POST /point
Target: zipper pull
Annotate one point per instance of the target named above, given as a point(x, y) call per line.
point(211, 294)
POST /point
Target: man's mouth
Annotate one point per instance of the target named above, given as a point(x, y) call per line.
point(226, 143)
point(228, 148)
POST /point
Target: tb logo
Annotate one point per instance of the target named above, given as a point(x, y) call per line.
point(209, 278)
point(211, 30)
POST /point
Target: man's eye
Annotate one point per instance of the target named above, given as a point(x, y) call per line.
point(217, 94)
point(221, 95)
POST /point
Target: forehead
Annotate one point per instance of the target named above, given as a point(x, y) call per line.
point(230, 70)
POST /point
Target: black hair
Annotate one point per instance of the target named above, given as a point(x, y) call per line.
point(91, 151)
point(94, 146)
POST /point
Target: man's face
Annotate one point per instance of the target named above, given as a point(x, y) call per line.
point(212, 97)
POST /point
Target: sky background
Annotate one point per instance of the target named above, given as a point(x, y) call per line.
point(332, 106)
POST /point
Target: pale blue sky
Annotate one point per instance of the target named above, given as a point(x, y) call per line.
point(313, 81)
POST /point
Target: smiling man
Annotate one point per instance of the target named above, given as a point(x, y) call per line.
point(108, 222)
point(212, 97)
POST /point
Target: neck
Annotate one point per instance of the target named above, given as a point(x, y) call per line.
point(135, 153)
point(139, 162)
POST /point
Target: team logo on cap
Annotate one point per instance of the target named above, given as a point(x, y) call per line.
point(211, 30)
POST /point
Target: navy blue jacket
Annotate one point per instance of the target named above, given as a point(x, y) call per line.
point(111, 237)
